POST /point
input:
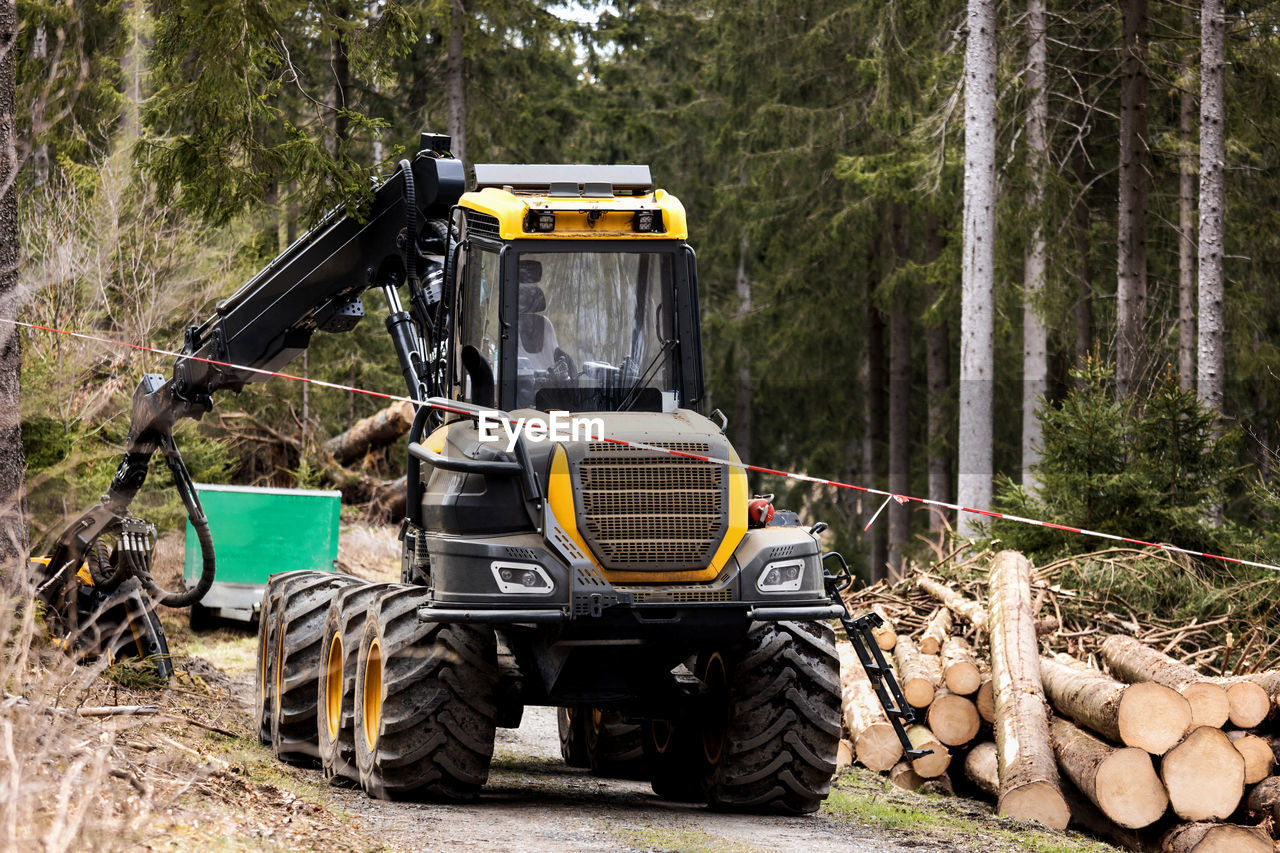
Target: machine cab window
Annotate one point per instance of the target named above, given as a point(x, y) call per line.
point(480, 328)
point(594, 331)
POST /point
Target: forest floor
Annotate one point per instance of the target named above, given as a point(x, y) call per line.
point(236, 796)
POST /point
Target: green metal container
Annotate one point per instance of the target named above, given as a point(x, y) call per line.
point(258, 532)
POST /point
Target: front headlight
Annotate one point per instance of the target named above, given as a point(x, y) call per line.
point(782, 576)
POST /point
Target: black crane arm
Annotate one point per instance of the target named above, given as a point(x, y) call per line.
point(315, 283)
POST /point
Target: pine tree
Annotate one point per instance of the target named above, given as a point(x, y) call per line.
point(977, 318)
point(13, 532)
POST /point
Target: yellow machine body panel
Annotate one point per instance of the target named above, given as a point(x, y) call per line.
point(560, 499)
point(579, 218)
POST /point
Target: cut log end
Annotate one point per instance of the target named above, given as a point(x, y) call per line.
point(953, 719)
point(985, 700)
point(981, 766)
point(1215, 838)
point(1249, 703)
point(1257, 754)
point(1128, 789)
point(1209, 704)
point(963, 678)
point(1204, 776)
point(1036, 801)
point(938, 759)
point(844, 754)
point(904, 776)
point(1153, 717)
point(877, 747)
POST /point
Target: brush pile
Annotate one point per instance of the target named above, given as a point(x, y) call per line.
point(1071, 706)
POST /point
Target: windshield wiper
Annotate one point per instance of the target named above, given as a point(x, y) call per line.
point(633, 393)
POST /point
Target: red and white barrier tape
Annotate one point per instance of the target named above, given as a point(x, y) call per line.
point(888, 496)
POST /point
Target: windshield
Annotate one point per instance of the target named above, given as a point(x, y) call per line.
point(595, 331)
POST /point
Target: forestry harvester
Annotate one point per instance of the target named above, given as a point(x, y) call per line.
point(621, 572)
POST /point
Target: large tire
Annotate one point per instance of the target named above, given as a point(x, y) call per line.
point(678, 769)
point(264, 695)
point(783, 726)
point(335, 689)
point(426, 703)
point(299, 619)
point(572, 723)
point(615, 746)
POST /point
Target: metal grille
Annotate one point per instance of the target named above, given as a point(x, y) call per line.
point(483, 223)
point(644, 510)
point(678, 596)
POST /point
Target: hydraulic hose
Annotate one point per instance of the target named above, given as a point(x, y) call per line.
point(411, 223)
point(208, 569)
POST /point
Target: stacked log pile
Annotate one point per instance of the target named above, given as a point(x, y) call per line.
point(1113, 727)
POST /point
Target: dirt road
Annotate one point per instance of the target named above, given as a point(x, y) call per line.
point(244, 799)
point(534, 803)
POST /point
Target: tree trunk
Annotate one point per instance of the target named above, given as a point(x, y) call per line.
point(875, 741)
point(1186, 221)
point(966, 608)
point(886, 636)
point(873, 441)
point(1204, 776)
point(341, 67)
point(741, 424)
point(131, 65)
point(456, 81)
point(1131, 264)
point(899, 434)
point(1257, 755)
point(13, 531)
point(1035, 335)
point(1080, 219)
point(1029, 786)
point(1130, 660)
point(937, 761)
point(977, 310)
point(935, 632)
point(1215, 838)
point(378, 430)
point(960, 671)
point(1120, 781)
point(981, 766)
point(953, 719)
point(1211, 356)
point(914, 676)
point(938, 376)
point(899, 404)
point(1146, 715)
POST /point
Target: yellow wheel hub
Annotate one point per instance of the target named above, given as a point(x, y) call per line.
point(372, 695)
point(333, 687)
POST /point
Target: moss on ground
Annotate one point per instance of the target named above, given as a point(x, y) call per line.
point(869, 799)
point(683, 839)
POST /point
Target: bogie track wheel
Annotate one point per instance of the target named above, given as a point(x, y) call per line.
point(614, 744)
point(783, 723)
point(264, 695)
point(573, 736)
point(426, 703)
point(300, 618)
point(335, 689)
